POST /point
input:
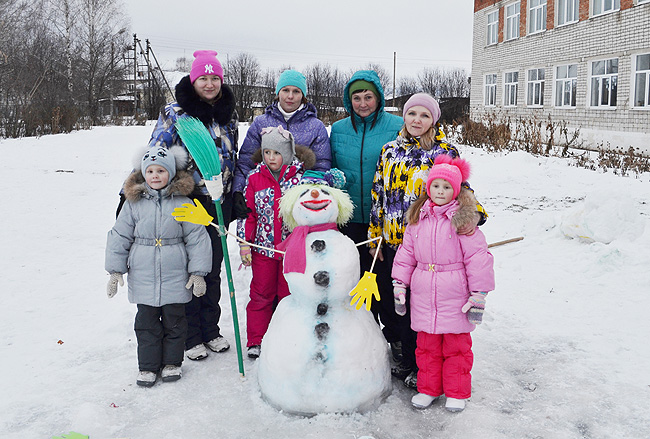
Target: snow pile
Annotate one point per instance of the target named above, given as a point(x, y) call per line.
point(603, 216)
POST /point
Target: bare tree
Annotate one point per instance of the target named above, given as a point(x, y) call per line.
point(102, 31)
point(183, 64)
point(407, 86)
point(243, 73)
point(324, 84)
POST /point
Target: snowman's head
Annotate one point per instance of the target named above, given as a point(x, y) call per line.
point(310, 204)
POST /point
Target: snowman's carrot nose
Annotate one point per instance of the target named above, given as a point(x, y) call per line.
point(315, 193)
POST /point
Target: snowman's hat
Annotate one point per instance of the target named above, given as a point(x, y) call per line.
point(333, 178)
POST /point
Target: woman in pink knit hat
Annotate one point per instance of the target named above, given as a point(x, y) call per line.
point(202, 94)
point(448, 275)
point(399, 180)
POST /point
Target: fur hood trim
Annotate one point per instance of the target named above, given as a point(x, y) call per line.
point(135, 186)
point(221, 111)
point(303, 153)
point(466, 212)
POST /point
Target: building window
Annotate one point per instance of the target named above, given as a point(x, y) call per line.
point(604, 82)
point(642, 81)
point(603, 6)
point(567, 11)
point(535, 88)
point(537, 16)
point(493, 28)
point(512, 21)
point(566, 80)
point(490, 90)
point(510, 81)
point(642, 1)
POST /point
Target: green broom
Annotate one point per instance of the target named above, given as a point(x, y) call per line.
point(201, 146)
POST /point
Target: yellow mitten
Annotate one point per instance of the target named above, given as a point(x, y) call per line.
point(192, 214)
point(364, 290)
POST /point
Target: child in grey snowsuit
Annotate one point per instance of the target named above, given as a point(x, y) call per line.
point(166, 260)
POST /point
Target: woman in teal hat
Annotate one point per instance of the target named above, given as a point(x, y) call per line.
point(292, 112)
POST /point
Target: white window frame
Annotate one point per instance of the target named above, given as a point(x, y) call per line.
point(600, 81)
point(536, 16)
point(490, 90)
point(535, 87)
point(641, 77)
point(566, 85)
point(600, 7)
point(510, 88)
point(492, 28)
point(512, 14)
point(567, 12)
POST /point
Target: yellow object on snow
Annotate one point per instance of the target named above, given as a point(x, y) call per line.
point(364, 290)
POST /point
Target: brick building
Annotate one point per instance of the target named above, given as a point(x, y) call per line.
point(586, 62)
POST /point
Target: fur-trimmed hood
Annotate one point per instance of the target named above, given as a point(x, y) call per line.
point(221, 111)
point(135, 186)
point(303, 153)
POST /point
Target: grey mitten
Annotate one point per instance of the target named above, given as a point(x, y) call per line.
point(111, 287)
point(197, 283)
point(475, 306)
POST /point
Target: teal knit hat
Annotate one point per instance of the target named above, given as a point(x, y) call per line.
point(292, 77)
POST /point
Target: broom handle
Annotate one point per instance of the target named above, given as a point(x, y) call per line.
point(231, 286)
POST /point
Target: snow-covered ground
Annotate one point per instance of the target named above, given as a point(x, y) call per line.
point(563, 351)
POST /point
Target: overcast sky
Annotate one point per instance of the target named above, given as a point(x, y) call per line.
point(345, 33)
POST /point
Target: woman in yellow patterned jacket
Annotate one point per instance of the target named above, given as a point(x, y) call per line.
point(401, 175)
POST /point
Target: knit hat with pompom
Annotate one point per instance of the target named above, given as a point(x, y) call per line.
point(455, 171)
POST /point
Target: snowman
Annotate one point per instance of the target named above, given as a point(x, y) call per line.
point(320, 354)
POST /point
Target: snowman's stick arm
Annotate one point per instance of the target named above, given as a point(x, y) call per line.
point(507, 241)
point(228, 232)
point(374, 259)
point(379, 238)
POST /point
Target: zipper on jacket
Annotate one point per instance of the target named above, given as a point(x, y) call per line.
point(363, 140)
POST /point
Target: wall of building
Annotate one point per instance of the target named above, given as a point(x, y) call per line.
point(622, 34)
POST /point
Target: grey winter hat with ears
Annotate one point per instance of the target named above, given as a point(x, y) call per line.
point(158, 155)
point(280, 140)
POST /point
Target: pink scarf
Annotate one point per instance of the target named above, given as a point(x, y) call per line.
point(294, 246)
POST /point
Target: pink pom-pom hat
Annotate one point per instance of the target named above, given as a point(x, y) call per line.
point(455, 171)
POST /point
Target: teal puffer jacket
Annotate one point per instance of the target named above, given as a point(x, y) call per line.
point(355, 152)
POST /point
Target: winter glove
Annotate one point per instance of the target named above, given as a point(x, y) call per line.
point(245, 255)
point(111, 288)
point(399, 293)
point(198, 283)
point(475, 305)
point(214, 187)
point(239, 208)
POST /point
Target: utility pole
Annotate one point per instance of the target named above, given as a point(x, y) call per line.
point(394, 62)
point(135, 75)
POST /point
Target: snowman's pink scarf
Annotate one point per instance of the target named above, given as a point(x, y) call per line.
point(294, 246)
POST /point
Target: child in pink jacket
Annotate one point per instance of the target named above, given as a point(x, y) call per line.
point(282, 164)
point(448, 276)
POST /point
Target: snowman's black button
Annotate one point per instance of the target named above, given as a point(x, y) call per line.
point(322, 278)
point(322, 329)
point(321, 309)
point(318, 245)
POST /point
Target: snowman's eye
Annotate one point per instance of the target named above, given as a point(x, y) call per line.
point(304, 192)
point(325, 191)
